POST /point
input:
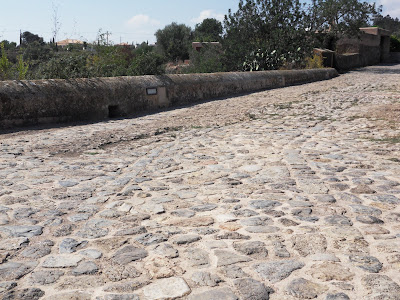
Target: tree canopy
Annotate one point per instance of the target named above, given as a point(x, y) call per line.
point(265, 26)
point(389, 23)
point(174, 41)
point(341, 16)
point(210, 30)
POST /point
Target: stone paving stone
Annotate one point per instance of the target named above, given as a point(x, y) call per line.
point(168, 288)
point(233, 271)
point(45, 277)
point(328, 271)
point(128, 254)
point(216, 294)
point(205, 279)
point(15, 270)
point(61, 261)
point(338, 296)
point(118, 297)
point(367, 263)
point(37, 251)
point(13, 243)
point(22, 231)
point(225, 258)
point(250, 289)
point(277, 270)
point(309, 244)
point(254, 249)
point(380, 287)
point(305, 289)
point(338, 220)
point(25, 294)
point(369, 220)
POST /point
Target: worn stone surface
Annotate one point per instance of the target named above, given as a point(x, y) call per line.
point(305, 289)
point(368, 263)
point(328, 271)
point(25, 294)
point(309, 243)
point(215, 294)
point(61, 261)
point(250, 289)
point(380, 287)
point(205, 279)
point(169, 288)
point(225, 258)
point(278, 270)
point(15, 270)
point(235, 197)
point(128, 254)
point(45, 277)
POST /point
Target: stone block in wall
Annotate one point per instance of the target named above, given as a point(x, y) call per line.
point(344, 62)
point(328, 56)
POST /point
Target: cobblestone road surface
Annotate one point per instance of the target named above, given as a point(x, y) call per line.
point(291, 193)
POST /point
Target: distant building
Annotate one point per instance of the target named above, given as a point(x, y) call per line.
point(198, 45)
point(371, 47)
point(65, 43)
point(124, 45)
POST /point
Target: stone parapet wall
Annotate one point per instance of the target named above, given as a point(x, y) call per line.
point(35, 102)
point(394, 57)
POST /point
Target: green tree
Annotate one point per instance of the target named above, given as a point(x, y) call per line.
point(63, 67)
point(394, 44)
point(174, 41)
point(266, 26)
point(207, 60)
point(389, 23)
point(5, 65)
point(22, 67)
point(148, 63)
point(10, 46)
point(341, 17)
point(29, 38)
point(210, 30)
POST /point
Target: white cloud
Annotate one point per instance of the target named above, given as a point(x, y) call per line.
point(391, 7)
point(205, 14)
point(140, 21)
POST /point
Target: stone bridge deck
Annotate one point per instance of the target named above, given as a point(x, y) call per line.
point(291, 193)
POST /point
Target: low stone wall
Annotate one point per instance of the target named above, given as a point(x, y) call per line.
point(35, 102)
point(394, 57)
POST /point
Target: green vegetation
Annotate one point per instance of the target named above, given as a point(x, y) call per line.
point(5, 65)
point(174, 41)
point(388, 23)
point(394, 44)
point(258, 35)
point(8, 70)
point(314, 62)
point(210, 30)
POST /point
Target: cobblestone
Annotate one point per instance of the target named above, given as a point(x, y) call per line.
point(291, 193)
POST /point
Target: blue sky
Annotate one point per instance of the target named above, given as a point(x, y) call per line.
point(127, 20)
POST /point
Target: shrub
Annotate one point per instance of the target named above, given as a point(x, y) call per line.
point(394, 44)
point(22, 67)
point(5, 65)
point(261, 60)
point(63, 67)
point(149, 63)
point(314, 62)
point(207, 60)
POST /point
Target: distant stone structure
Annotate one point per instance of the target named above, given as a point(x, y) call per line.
point(199, 45)
point(67, 42)
point(370, 48)
point(93, 99)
